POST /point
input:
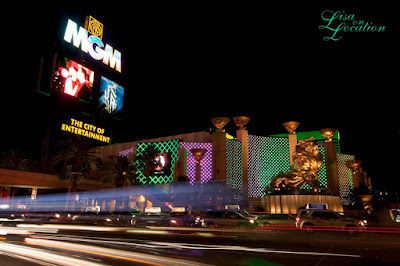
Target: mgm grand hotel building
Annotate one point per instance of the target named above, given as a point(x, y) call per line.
point(245, 162)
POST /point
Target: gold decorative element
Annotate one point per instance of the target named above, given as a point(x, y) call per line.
point(354, 166)
point(94, 27)
point(220, 122)
point(291, 126)
point(241, 121)
point(307, 161)
point(328, 133)
point(198, 154)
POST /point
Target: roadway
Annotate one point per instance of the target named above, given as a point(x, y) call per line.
point(57, 244)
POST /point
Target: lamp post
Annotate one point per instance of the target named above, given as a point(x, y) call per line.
point(219, 148)
point(220, 123)
point(198, 155)
point(328, 133)
point(355, 167)
point(242, 135)
point(331, 160)
point(241, 121)
point(291, 126)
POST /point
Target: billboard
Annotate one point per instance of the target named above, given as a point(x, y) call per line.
point(111, 98)
point(73, 79)
point(164, 161)
point(92, 44)
point(87, 130)
point(162, 164)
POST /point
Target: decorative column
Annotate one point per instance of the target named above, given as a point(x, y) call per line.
point(355, 167)
point(291, 126)
point(331, 161)
point(242, 136)
point(219, 148)
point(198, 156)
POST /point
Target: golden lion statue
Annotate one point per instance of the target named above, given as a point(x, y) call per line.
point(307, 161)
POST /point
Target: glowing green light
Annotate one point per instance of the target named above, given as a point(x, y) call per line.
point(170, 147)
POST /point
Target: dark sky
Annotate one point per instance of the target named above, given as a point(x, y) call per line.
point(186, 63)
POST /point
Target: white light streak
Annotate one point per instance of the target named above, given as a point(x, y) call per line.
point(43, 255)
point(115, 253)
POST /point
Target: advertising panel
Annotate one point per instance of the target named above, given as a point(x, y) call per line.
point(111, 98)
point(92, 44)
point(88, 130)
point(162, 164)
point(73, 79)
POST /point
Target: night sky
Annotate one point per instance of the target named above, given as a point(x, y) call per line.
point(186, 63)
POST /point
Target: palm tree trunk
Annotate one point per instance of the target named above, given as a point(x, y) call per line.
point(70, 201)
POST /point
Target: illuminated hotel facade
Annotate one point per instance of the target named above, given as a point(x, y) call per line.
point(246, 162)
point(82, 78)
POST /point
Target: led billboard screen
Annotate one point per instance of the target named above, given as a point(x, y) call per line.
point(158, 174)
point(162, 164)
point(111, 98)
point(73, 79)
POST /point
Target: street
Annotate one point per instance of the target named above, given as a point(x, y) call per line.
point(55, 244)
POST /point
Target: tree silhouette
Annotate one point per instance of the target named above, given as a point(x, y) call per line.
point(118, 170)
point(74, 158)
point(17, 160)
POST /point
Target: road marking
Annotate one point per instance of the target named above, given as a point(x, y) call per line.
point(241, 248)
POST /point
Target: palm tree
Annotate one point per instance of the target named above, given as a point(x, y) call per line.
point(74, 158)
point(119, 170)
point(145, 161)
point(17, 160)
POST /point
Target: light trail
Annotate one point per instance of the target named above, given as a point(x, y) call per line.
point(241, 248)
point(26, 258)
point(112, 253)
point(169, 245)
point(203, 232)
point(102, 241)
point(57, 202)
point(24, 230)
point(72, 227)
point(43, 255)
point(359, 242)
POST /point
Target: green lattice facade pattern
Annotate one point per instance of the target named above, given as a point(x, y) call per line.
point(170, 147)
point(314, 134)
point(322, 177)
point(345, 179)
point(233, 163)
point(267, 157)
